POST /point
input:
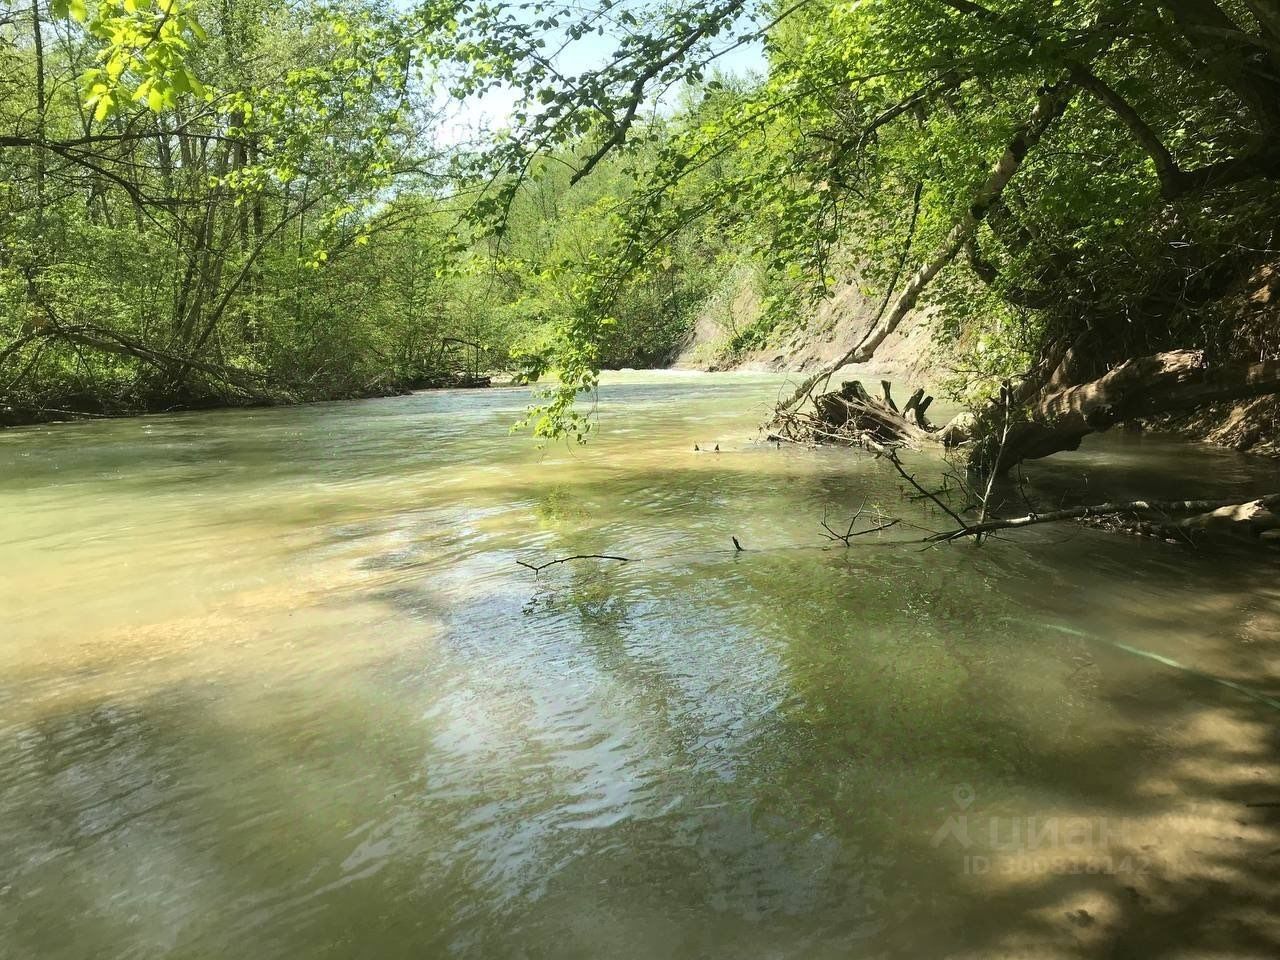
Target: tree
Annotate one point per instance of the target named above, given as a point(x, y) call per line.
point(1085, 157)
point(1039, 174)
point(161, 236)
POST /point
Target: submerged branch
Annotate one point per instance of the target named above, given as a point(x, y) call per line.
point(846, 538)
point(537, 567)
point(1201, 511)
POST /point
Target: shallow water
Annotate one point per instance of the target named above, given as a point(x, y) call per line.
point(272, 684)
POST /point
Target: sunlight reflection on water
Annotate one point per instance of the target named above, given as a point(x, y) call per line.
point(272, 684)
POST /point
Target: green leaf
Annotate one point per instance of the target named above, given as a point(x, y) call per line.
point(103, 107)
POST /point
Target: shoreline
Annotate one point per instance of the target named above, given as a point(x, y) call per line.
point(1204, 428)
point(15, 417)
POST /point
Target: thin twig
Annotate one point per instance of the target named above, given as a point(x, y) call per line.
point(1006, 395)
point(538, 567)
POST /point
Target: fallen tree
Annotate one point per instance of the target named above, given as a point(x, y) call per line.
point(1174, 381)
point(1023, 423)
point(1010, 430)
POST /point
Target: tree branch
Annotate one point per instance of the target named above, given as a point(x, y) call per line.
point(707, 26)
point(1158, 509)
point(1051, 104)
point(538, 567)
point(1171, 177)
point(1175, 182)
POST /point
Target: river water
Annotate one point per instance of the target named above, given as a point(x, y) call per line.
point(272, 684)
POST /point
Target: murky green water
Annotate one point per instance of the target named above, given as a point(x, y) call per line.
point(272, 684)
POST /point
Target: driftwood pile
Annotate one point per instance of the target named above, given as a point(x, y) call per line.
point(853, 416)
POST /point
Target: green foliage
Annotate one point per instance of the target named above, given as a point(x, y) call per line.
point(271, 181)
point(143, 47)
point(813, 172)
point(165, 240)
point(247, 199)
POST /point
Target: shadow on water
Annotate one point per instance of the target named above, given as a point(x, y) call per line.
point(786, 798)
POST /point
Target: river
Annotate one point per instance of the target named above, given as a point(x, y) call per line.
point(273, 684)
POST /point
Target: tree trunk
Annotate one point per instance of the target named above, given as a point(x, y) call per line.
point(37, 39)
point(1049, 107)
point(1169, 382)
point(1027, 425)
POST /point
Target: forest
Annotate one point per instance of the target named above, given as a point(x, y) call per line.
point(245, 202)
point(251, 203)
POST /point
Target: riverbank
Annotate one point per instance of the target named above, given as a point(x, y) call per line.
point(86, 407)
point(907, 358)
point(910, 359)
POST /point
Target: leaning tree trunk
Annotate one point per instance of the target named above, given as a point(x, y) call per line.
point(1049, 107)
point(1022, 424)
point(1170, 382)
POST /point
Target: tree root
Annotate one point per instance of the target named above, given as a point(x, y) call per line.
point(1024, 423)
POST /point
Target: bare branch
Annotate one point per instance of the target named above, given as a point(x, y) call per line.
point(538, 567)
point(1159, 509)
